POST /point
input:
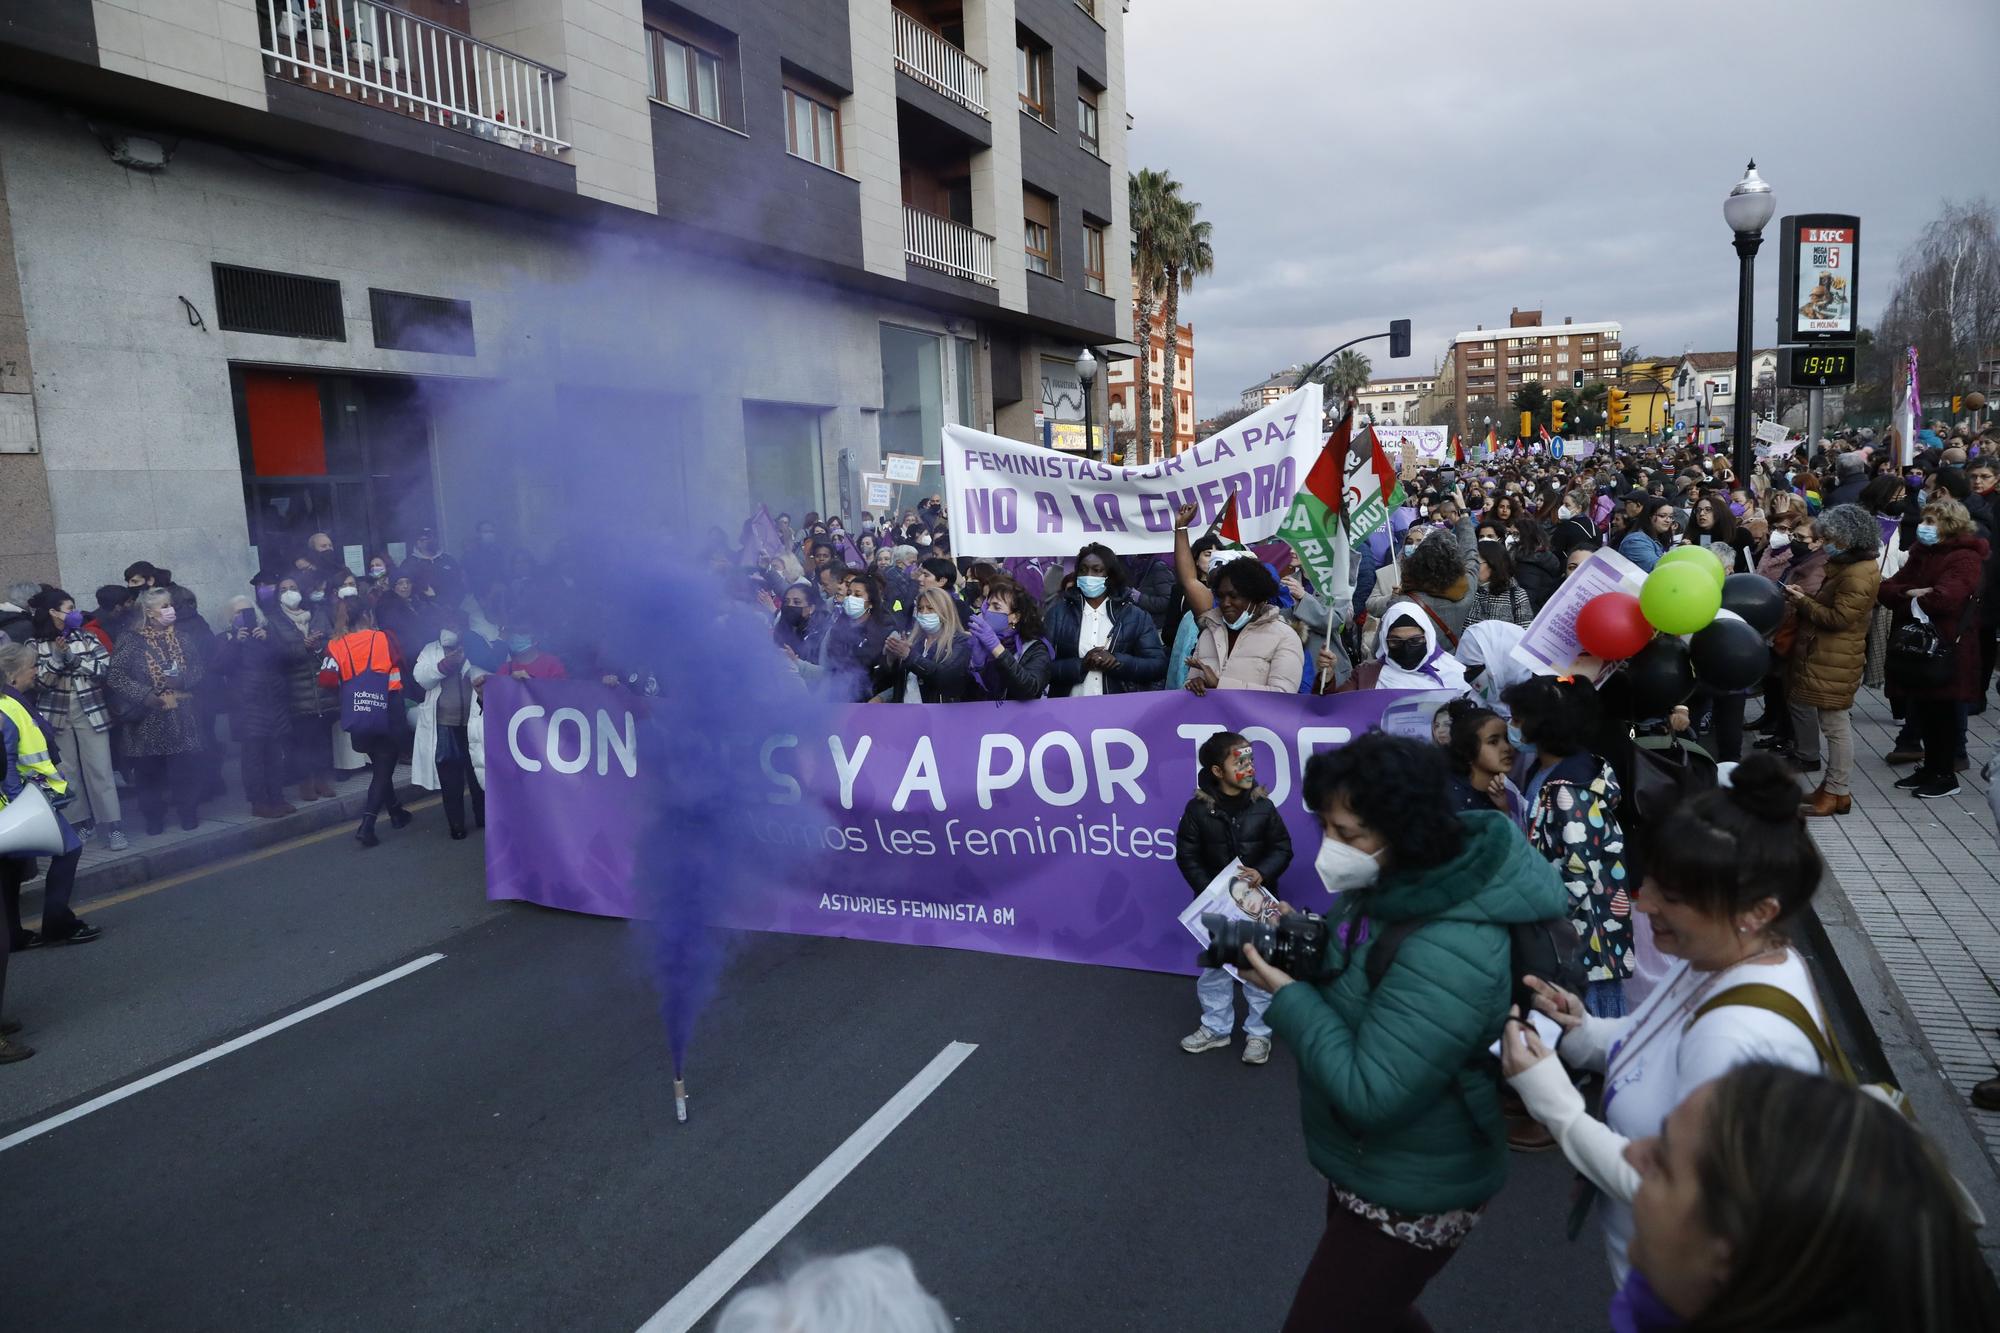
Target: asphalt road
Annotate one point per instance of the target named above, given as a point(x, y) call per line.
point(489, 1142)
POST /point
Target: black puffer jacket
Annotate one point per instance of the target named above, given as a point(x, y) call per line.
point(1156, 590)
point(1217, 829)
point(1539, 573)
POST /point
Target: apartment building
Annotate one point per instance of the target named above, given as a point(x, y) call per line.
point(275, 266)
point(1394, 401)
point(1123, 389)
point(1492, 365)
point(1269, 389)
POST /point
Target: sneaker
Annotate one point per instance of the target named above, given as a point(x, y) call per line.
point(1902, 756)
point(10, 1051)
point(116, 841)
point(1937, 789)
point(85, 831)
point(1257, 1051)
point(1201, 1039)
point(1912, 782)
point(80, 933)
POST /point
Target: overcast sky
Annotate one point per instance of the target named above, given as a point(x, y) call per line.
point(1447, 160)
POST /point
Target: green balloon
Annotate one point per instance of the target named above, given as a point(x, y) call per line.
point(1699, 557)
point(1680, 598)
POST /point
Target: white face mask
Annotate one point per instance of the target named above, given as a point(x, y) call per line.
point(290, 599)
point(1342, 868)
point(1781, 539)
point(855, 607)
point(930, 621)
point(1564, 511)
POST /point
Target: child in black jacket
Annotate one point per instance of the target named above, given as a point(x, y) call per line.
point(1230, 818)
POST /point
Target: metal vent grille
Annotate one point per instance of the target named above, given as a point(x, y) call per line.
point(407, 322)
point(286, 305)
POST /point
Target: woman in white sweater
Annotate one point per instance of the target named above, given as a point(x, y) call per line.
point(1728, 870)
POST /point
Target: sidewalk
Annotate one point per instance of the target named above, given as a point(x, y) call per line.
point(227, 829)
point(1917, 881)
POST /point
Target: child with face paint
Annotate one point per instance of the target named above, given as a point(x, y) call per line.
point(1230, 818)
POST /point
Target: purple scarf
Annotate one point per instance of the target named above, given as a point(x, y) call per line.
point(1637, 1308)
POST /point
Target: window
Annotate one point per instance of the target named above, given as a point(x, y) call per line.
point(685, 76)
point(1588, 357)
point(1086, 116)
point(1093, 257)
point(1038, 232)
point(812, 128)
point(1031, 73)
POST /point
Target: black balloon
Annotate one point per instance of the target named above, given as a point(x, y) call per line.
point(1730, 654)
point(1660, 675)
point(1757, 599)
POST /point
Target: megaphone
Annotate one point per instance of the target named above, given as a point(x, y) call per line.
point(28, 825)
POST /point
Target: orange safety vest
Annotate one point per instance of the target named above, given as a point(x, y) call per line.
point(364, 650)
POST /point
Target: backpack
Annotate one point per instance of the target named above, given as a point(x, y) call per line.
point(1549, 949)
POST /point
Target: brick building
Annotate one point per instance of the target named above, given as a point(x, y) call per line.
point(1122, 389)
point(1491, 365)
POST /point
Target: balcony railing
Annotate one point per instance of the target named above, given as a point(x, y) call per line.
point(378, 54)
point(946, 246)
point(938, 65)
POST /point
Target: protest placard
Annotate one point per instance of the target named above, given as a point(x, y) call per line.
point(1549, 647)
point(1007, 498)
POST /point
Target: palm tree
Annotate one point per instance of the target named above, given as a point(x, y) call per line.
point(1188, 255)
point(1345, 375)
point(1154, 199)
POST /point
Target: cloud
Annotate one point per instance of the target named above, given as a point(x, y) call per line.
point(1445, 161)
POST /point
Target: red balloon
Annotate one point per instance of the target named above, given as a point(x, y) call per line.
point(1612, 626)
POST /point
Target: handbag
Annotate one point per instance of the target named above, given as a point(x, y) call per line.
point(1666, 770)
point(1919, 657)
point(365, 689)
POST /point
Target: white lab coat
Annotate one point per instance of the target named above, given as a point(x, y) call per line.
point(423, 746)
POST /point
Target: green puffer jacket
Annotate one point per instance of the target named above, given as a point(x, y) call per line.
point(1376, 1067)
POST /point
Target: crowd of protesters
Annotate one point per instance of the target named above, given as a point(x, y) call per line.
point(1690, 1015)
point(1532, 804)
point(136, 698)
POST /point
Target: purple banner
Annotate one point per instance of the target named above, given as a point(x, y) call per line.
point(1041, 829)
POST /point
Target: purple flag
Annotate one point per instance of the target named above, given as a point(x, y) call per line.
point(1041, 829)
point(760, 538)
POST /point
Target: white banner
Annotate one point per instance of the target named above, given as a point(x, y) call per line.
point(1427, 446)
point(1006, 498)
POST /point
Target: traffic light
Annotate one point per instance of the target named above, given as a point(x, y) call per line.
point(1527, 424)
point(1955, 401)
point(1614, 408)
point(1399, 339)
point(1556, 416)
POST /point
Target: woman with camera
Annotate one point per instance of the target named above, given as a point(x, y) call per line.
point(1402, 1114)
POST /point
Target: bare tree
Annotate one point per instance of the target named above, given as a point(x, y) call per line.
point(1946, 302)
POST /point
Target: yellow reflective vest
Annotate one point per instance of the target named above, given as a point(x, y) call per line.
point(31, 748)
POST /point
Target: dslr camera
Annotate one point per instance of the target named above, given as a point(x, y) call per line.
point(1297, 944)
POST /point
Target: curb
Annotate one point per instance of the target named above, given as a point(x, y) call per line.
point(1882, 1036)
point(195, 853)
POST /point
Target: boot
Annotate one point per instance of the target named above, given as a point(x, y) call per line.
point(1823, 803)
point(365, 835)
point(400, 818)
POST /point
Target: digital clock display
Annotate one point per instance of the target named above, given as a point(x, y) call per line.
point(1818, 368)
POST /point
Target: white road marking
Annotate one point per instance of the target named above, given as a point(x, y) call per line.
point(158, 1077)
point(729, 1268)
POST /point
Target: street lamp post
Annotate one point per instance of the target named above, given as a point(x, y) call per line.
point(1748, 207)
point(1086, 372)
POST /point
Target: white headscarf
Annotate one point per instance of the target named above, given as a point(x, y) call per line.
point(1490, 644)
point(1438, 671)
